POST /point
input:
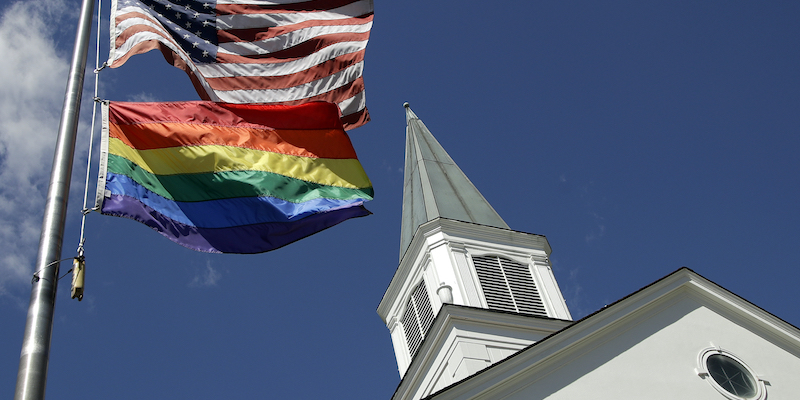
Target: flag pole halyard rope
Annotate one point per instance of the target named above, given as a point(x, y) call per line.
point(97, 69)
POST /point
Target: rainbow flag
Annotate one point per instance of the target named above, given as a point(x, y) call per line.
point(229, 178)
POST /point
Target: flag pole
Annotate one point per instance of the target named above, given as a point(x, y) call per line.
point(35, 354)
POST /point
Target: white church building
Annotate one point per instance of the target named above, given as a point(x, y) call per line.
point(475, 312)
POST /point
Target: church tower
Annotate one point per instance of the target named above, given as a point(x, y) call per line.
point(469, 291)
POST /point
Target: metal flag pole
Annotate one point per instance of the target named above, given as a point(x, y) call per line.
point(35, 354)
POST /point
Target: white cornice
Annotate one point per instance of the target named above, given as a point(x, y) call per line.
point(452, 316)
point(558, 349)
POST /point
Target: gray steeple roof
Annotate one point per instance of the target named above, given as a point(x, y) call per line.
point(434, 186)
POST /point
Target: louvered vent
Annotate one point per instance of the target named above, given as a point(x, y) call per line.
point(411, 327)
point(424, 309)
point(508, 285)
point(418, 318)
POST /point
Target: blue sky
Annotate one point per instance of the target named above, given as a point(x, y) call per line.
point(638, 136)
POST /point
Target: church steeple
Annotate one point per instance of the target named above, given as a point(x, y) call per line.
point(469, 291)
point(434, 186)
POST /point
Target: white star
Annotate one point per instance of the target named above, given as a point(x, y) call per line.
point(187, 36)
point(206, 5)
point(205, 53)
point(188, 24)
point(169, 6)
point(196, 14)
point(177, 15)
point(195, 44)
point(206, 23)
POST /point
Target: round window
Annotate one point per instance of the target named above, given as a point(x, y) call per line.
point(731, 376)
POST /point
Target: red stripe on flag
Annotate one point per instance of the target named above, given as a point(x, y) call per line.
point(356, 119)
point(344, 92)
point(318, 71)
point(314, 115)
point(256, 34)
point(127, 33)
point(314, 5)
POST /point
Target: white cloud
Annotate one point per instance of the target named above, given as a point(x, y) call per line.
point(32, 80)
point(573, 294)
point(599, 232)
point(206, 277)
point(144, 97)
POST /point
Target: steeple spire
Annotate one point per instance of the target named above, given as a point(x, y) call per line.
point(468, 291)
point(434, 186)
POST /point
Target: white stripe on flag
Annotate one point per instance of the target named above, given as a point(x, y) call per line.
point(290, 39)
point(223, 70)
point(299, 92)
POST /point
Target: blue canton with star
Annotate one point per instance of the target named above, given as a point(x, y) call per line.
point(191, 23)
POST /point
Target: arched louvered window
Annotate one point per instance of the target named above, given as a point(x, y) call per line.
point(418, 318)
point(508, 285)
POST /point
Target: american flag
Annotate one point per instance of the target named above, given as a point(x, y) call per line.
point(255, 51)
